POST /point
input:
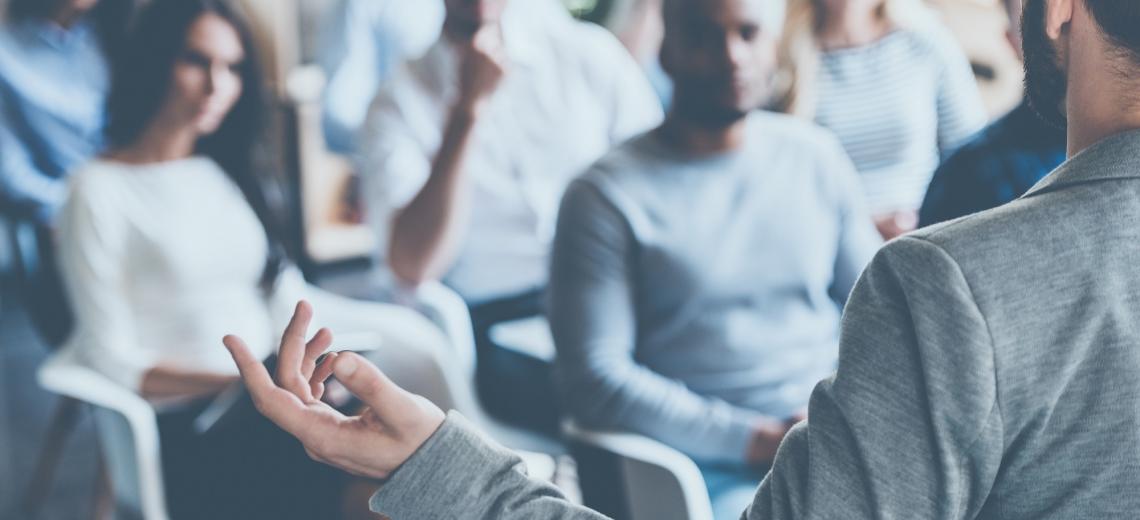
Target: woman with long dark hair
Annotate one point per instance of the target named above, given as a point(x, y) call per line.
point(168, 243)
point(54, 69)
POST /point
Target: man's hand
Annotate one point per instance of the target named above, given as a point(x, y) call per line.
point(482, 69)
point(372, 444)
point(766, 438)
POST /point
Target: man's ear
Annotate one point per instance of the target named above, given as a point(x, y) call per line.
point(1058, 14)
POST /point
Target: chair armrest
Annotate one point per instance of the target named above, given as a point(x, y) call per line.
point(644, 461)
point(636, 447)
point(530, 336)
point(64, 375)
point(446, 308)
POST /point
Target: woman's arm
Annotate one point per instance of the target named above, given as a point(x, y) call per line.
point(163, 382)
point(93, 259)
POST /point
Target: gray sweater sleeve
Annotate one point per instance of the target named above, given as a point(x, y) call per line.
point(458, 473)
point(909, 427)
point(592, 318)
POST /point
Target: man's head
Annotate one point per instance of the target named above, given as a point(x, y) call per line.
point(1064, 40)
point(468, 16)
point(721, 55)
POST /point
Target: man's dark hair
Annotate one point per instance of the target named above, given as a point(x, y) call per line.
point(1120, 21)
point(111, 17)
point(142, 80)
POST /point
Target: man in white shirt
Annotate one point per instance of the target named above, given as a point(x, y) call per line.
point(466, 154)
point(362, 44)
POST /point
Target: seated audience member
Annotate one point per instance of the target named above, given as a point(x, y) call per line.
point(893, 85)
point(167, 242)
point(362, 44)
point(988, 367)
point(1001, 163)
point(700, 270)
point(54, 72)
point(467, 152)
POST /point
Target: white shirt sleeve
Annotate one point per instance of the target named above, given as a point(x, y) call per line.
point(622, 83)
point(394, 165)
point(351, 56)
point(92, 240)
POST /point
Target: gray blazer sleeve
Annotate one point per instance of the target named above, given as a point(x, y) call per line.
point(458, 473)
point(909, 427)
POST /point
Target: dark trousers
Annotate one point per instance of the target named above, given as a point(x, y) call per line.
point(514, 387)
point(245, 468)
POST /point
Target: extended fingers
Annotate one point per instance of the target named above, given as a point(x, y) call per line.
point(273, 402)
point(314, 349)
point(321, 373)
point(292, 351)
point(253, 372)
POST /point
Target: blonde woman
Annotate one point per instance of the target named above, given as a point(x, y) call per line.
point(890, 81)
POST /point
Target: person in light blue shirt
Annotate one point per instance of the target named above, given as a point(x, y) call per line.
point(362, 43)
point(54, 63)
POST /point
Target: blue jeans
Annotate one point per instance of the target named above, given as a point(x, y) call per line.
point(731, 488)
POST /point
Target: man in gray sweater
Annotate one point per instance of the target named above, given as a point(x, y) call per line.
point(989, 367)
point(699, 270)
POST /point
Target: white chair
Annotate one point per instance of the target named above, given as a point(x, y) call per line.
point(128, 434)
point(128, 430)
point(657, 482)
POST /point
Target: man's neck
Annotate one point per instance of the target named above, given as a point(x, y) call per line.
point(1100, 103)
point(694, 139)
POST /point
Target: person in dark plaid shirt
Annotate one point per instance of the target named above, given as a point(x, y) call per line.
point(1000, 164)
point(996, 167)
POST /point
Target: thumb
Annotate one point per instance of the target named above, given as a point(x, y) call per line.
point(368, 383)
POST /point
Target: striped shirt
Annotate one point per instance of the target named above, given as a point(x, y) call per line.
point(899, 106)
